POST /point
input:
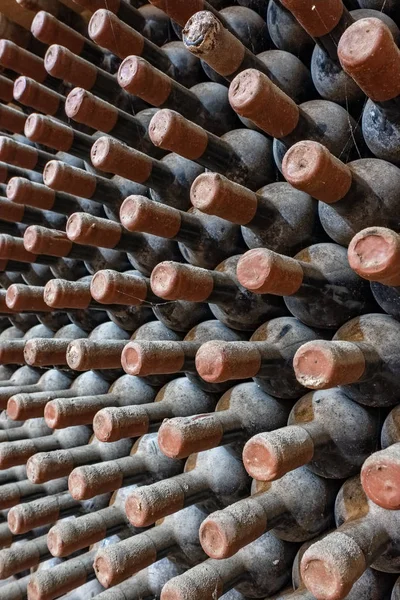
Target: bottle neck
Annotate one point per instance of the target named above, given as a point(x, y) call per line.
point(391, 109)
point(330, 41)
point(306, 129)
point(191, 230)
point(369, 535)
point(225, 289)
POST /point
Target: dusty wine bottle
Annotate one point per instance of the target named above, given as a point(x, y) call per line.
point(324, 444)
point(231, 303)
point(243, 155)
point(262, 567)
point(277, 216)
point(318, 276)
point(204, 240)
point(353, 196)
point(240, 413)
point(169, 539)
point(354, 362)
point(366, 536)
point(296, 508)
point(376, 74)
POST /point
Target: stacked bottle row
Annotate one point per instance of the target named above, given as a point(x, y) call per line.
point(198, 226)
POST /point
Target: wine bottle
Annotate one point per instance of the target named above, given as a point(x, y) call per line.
point(75, 295)
point(14, 493)
point(143, 249)
point(241, 412)
point(372, 584)
point(49, 30)
point(169, 179)
point(277, 217)
point(206, 103)
point(63, 411)
point(259, 569)
point(206, 37)
point(108, 31)
point(267, 357)
point(215, 478)
point(231, 303)
point(319, 120)
point(115, 423)
point(11, 212)
point(157, 27)
point(97, 354)
point(204, 240)
point(130, 289)
point(331, 447)
point(57, 135)
point(376, 75)
point(169, 539)
point(373, 254)
point(379, 477)
point(145, 464)
point(12, 120)
point(144, 358)
point(318, 285)
point(52, 243)
point(353, 196)
point(21, 61)
point(62, 177)
point(365, 537)
point(22, 155)
point(244, 156)
point(296, 508)
point(354, 362)
point(21, 406)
